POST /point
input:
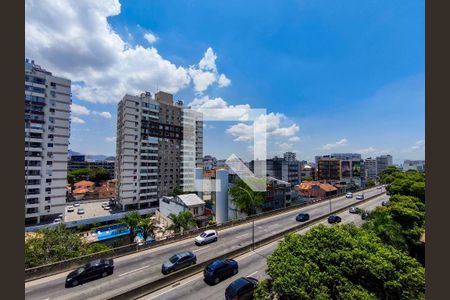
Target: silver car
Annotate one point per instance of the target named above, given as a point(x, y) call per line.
point(206, 237)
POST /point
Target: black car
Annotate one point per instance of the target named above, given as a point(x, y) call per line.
point(91, 270)
point(219, 270)
point(302, 217)
point(334, 219)
point(241, 289)
point(364, 215)
point(179, 261)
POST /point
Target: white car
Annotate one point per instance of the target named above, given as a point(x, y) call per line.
point(57, 220)
point(107, 207)
point(379, 187)
point(360, 197)
point(105, 204)
point(76, 204)
point(70, 208)
point(353, 210)
point(349, 195)
point(80, 211)
point(206, 237)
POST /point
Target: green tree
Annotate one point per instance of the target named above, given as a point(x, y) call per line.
point(147, 226)
point(245, 199)
point(181, 222)
point(370, 183)
point(98, 175)
point(340, 262)
point(132, 219)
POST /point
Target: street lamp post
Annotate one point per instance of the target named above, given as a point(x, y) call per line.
point(253, 219)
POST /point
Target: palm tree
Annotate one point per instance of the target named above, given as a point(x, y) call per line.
point(132, 219)
point(147, 227)
point(183, 221)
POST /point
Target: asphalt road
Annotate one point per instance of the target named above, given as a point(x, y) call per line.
point(139, 268)
point(251, 264)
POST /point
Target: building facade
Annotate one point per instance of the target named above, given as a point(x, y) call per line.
point(417, 165)
point(47, 132)
point(383, 162)
point(158, 146)
point(370, 166)
point(329, 169)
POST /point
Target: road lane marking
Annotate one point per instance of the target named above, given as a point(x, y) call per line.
point(239, 236)
point(202, 248)
point(136, 270)
point(175, 286)
point(250, 275)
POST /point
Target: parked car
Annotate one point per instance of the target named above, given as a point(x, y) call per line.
point(354, 210)
point(302, 217)
point(80, 211)
point(360, 197)
point(219, 270)
point(349, 195)
point(206, 237)
point(241, 289)
point(76, 204)
point(334, 219)
point(179, 261)
point(70, 208)
point(94, 269)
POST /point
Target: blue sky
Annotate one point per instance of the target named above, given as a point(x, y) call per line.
point(343, 75)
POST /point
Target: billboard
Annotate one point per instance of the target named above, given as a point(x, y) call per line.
point(345, 168)
point(356, 169)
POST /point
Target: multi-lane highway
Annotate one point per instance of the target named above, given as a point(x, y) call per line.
point(251, 264)
point(136, 269)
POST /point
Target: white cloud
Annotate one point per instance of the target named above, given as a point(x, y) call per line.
point(272, 121)
point(205, 73)
point(224, 81)
point(74, 39)
point(150, 37)
point(294, 139)
point(340, 143)
point(79, 110)
point(208, 62)
point(103, 114)
point(77, 120)
point(418, 145)
point(284, 147)
point(366, 151)
point(111, 139)
point(223, 110)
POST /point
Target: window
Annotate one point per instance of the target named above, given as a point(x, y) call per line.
point(47, 207)
point(49, 163)
point(50, 145)
point(48, 180)
point(53, 85)
point(53, 93)
point(47, 198)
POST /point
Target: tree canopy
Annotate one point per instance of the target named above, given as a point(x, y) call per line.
point(245, 199)
point(340, 262)
point(181, 222)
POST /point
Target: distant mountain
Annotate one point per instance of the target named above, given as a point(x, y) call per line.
point(91, 157)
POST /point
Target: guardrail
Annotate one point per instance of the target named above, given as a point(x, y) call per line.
point(172, 278)
point(66, 265)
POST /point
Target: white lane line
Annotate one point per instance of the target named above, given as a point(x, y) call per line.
point(136, 270)
point(47, 299)
point(202, 248)
point(172, 287)
point(239, 236)
point(250, 275)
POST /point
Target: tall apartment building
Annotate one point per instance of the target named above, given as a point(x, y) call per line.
point(281, 169)
point(383, 162)
point(370, 165)
point(156, 151)
point(329, 168)
point(289, 156)
point(47, 132)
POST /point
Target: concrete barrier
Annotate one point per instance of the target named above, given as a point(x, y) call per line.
point(172, 278)
point(66, 265)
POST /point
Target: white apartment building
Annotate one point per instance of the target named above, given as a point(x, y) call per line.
point(370, 165)
point(47, 132)
point(153, 135)
point(136, 165)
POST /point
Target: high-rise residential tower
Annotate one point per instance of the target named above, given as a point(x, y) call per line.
point(47, 132)
point(158, 144)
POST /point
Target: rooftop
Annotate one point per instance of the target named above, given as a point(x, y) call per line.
point(191, 199)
